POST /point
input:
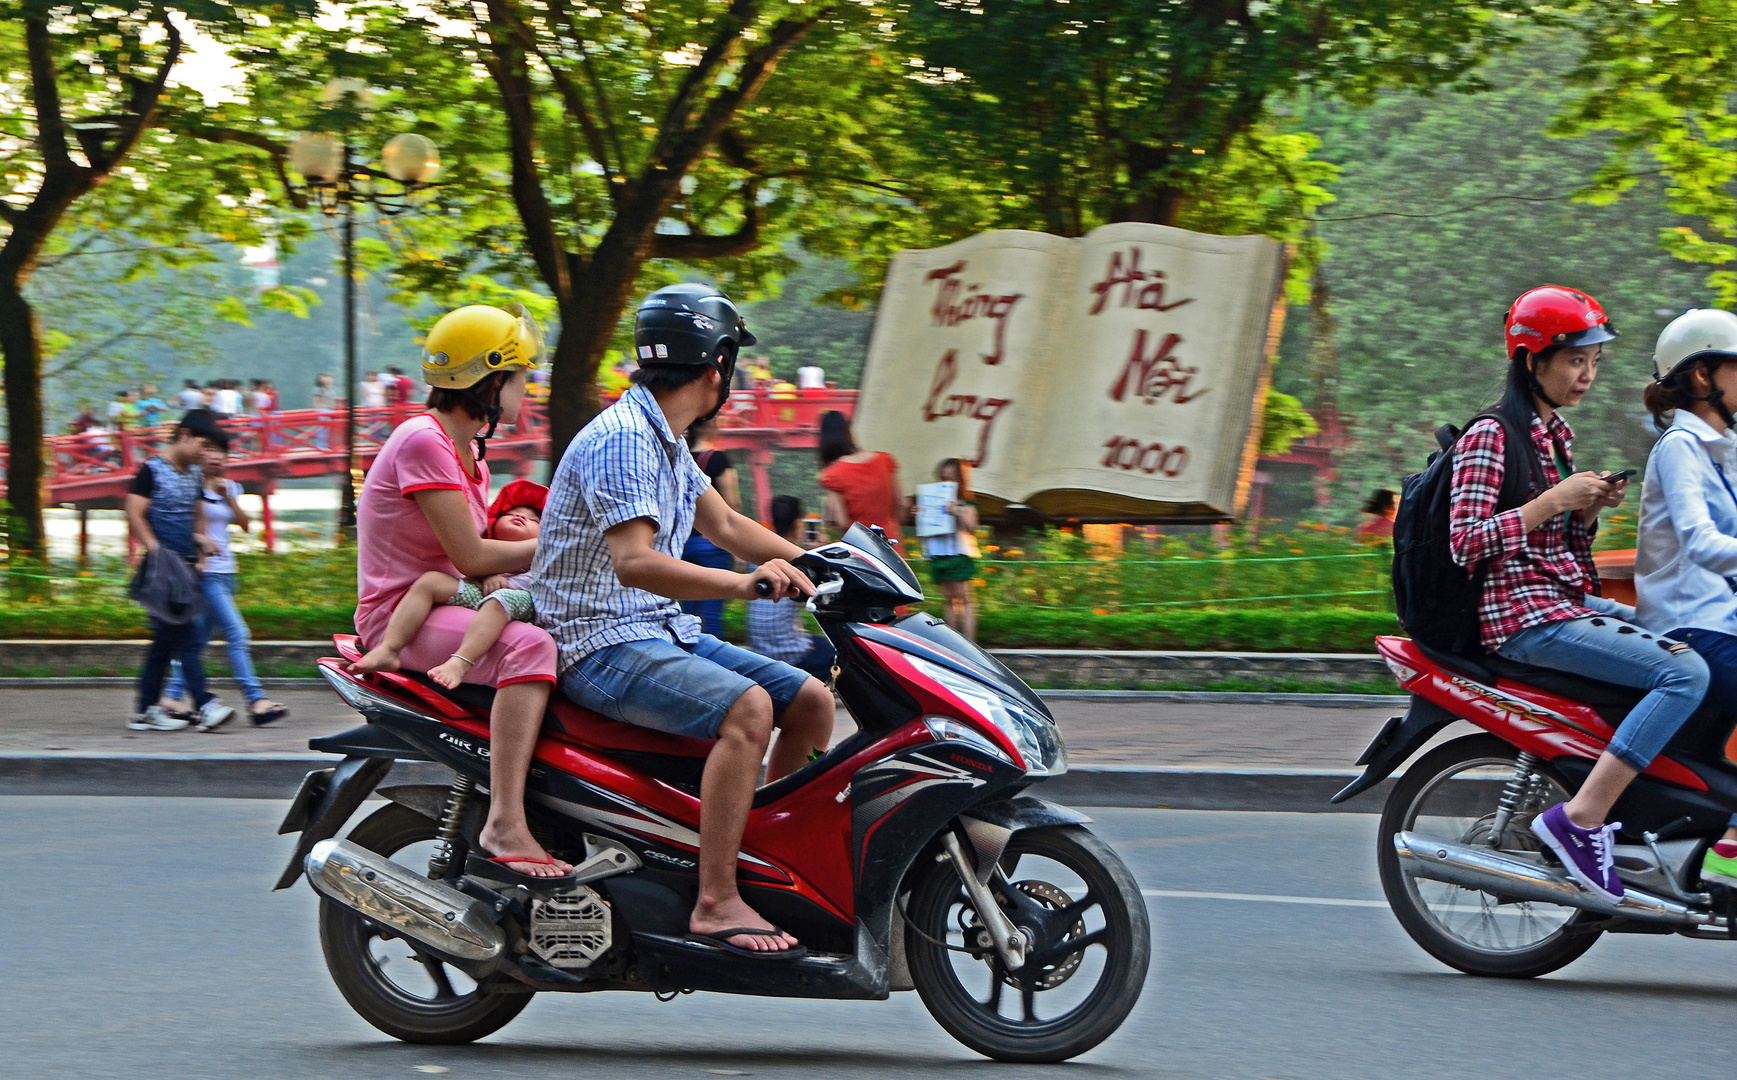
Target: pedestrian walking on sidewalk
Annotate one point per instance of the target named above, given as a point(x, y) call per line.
point(217, 586)
point(166, 516)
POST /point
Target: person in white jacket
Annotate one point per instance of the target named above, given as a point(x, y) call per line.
point(1686, 558)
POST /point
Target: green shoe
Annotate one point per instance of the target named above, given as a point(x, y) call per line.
point(1716, 867)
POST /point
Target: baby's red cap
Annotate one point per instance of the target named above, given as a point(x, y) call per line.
point(514, 495)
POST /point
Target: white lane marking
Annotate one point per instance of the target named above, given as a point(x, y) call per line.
point(1262, 898)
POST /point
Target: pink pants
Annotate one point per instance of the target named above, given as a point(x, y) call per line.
point(524, 653)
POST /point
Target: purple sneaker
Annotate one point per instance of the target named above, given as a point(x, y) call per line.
point(1587, 854)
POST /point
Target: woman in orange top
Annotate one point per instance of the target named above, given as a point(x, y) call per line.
point(1383, 507)
point(863, 485)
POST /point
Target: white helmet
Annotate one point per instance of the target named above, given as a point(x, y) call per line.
point(1696, 333)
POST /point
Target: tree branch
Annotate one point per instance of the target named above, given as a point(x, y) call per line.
point(142, 107)
point(9, 213)
point(505, 61)
point(45, 95)
point(728, 30)
point(569, 93)
point(691, 247)
point(278, 152)
point(688, 143)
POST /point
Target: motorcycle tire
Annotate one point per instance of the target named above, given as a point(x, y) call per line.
point(1126, 938)
point(1559, 949)
point(345, 937)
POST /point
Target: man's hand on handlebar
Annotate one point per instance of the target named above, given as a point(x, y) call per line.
point(775, 579)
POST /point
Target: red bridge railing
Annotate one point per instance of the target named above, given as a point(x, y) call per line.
point(98, 467)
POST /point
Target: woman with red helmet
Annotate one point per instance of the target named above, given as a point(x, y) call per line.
point(1540, 602)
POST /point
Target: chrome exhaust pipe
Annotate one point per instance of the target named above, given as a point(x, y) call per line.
point(393, 896)
point(1489, 870)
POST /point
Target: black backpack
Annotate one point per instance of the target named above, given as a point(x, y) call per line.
point(1435, 598)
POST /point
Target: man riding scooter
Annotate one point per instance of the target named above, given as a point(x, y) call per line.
point(609, 573)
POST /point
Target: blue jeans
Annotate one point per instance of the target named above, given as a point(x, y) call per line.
point(702, 552)
point(674, 688)
point(817, 661)
point(1606, 648)
point(1720, 653)
point(220, 611)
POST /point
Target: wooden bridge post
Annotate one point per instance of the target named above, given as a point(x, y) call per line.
point(268, 527)
point(83, 536)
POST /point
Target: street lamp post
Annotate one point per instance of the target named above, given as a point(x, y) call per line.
point(339, 182)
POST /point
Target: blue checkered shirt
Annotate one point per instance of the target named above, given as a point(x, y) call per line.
point(775, 629)
point(626, 464)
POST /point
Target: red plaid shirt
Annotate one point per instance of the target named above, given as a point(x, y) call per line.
point(1534, 578)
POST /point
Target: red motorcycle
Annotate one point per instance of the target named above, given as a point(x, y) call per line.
point(1459, 863)
point(906, 857)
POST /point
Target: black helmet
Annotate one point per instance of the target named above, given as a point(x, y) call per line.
point(687, 324)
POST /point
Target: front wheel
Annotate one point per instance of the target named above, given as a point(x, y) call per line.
point(1090, 946)
point(390, 982)
point(1455, 793)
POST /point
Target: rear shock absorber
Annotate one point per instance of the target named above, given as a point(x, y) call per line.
point(1514, 795)
point(451, 825)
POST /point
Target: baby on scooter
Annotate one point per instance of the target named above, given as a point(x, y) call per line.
point(516, 514)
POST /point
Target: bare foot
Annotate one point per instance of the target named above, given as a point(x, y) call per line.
point(710, 916)
point(519, 841)
point(379, 658)
point(449, 674)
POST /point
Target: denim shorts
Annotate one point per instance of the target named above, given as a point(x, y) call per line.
point(675, 688)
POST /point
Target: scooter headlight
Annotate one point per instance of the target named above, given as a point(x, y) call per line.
point(1032, 734)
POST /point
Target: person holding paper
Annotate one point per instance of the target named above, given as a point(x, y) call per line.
point(947, 524)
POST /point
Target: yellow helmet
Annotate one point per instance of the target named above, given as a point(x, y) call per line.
point(471, 343)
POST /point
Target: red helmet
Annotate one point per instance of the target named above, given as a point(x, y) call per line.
point(1552, 315)
point(517, 493)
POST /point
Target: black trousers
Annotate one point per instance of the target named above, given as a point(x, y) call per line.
point(172, 643)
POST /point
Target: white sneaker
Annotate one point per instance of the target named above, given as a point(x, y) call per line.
point(213, 715)
point(157, 718)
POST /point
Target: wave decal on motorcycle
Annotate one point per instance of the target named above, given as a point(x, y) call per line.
point(647, 824)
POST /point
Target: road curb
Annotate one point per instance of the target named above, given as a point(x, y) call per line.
point(275, 776)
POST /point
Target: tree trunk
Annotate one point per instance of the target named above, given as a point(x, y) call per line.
point(22, 350)
point(601, 290)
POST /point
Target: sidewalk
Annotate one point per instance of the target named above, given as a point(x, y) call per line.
point(1121, 752)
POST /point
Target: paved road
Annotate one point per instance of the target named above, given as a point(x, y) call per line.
point(160, 954)
point(1097, 732)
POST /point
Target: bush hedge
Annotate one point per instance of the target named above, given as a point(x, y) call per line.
point(1326, 630)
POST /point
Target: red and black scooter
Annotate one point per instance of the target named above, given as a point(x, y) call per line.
point(907, 857)
point(1459, 863)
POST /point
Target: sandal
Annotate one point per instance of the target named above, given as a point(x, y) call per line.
point(719, 939)
point(269, 716)
point(480, 864)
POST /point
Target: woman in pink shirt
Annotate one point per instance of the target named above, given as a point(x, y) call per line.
point(423, 508)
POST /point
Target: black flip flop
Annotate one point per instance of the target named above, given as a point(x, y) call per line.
point(480, 864)
point(269, 716)
point(717, 940)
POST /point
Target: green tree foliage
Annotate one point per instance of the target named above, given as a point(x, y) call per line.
point(1283, 422)
point(86, 164)
point(1066, 114)
point(1659, 79)
point(593, 151)
point(1449, 207)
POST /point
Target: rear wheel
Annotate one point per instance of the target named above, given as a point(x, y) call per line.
point(391, 982)
point(1091, 944)
point(1453, 793)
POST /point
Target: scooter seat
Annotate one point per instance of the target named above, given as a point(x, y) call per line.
point(563, 719)
point(582, 727)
